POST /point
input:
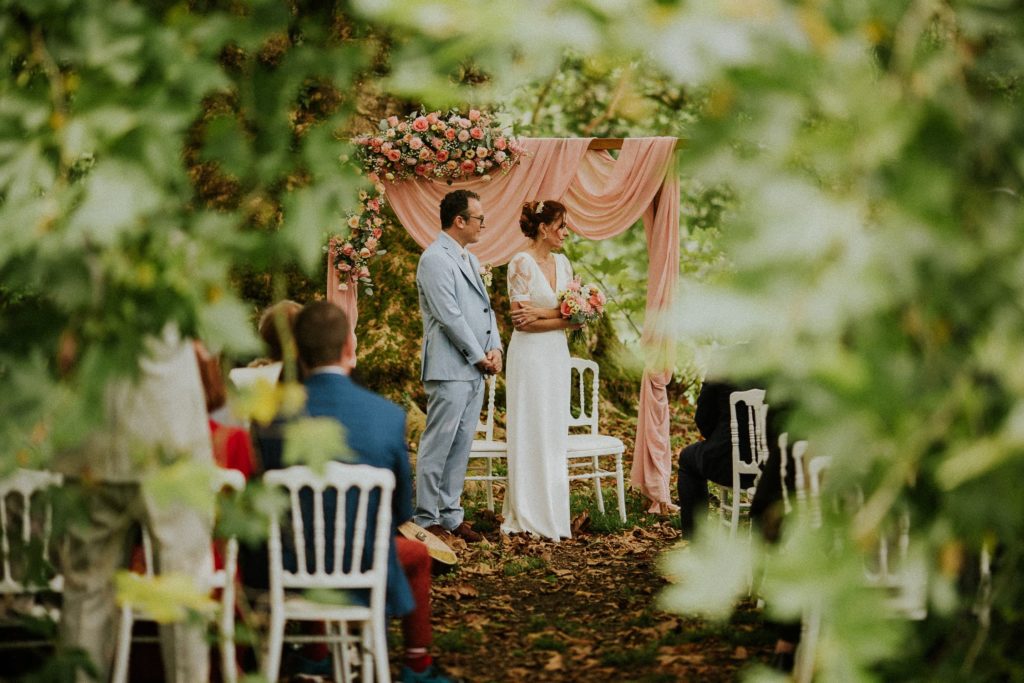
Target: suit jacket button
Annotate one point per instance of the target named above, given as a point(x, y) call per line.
point(486, 310)
point(488, 331)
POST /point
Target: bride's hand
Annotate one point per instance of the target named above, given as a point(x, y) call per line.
point(525, 314)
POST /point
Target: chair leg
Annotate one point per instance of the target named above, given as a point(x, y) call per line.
point(124, 645)
point(620, 487)
point(380, 651)
point(229, 662)
point(275, 641)
point(490, 483)
point(346, 651)
point(597, 483)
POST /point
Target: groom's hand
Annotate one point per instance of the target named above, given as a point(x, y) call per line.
point(494, 356)
point(485, 365)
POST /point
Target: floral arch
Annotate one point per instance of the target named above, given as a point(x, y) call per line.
point(603, 196)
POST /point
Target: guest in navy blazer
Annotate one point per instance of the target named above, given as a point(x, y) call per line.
point(375, 431)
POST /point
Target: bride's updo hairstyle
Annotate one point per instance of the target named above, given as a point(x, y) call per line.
point(536, 213)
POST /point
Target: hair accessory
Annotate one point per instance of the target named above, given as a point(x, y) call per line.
point(540, 207)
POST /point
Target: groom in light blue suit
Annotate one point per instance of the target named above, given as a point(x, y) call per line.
point(460, 346)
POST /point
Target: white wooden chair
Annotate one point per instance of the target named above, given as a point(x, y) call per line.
point(20, 528)
point(362, 566)
point(585, 450)
point(487, 448)
point(893, 573)
point(222, 579)
point(735, 500)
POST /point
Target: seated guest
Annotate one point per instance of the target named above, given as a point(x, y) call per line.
point(269, 368)
point(710, 459)
point(231, 446)
point(375, 429)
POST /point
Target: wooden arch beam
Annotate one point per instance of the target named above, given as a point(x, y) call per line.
point(616, 143)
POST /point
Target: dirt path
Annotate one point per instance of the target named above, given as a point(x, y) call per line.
point(581, 610)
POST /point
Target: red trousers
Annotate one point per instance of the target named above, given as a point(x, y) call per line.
point(415, 562)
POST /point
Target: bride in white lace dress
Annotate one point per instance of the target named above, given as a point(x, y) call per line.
point(537, 379)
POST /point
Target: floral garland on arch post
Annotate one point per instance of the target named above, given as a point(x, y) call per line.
point(434, 146)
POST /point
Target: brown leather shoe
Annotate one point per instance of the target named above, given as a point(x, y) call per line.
point(466, 533)
point(438, 531)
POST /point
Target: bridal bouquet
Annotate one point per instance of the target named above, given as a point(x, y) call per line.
point(580, 303)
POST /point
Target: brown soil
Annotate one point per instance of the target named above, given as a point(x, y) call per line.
point(585, 609)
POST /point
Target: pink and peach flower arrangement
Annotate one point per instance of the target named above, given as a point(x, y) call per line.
point(433, 146)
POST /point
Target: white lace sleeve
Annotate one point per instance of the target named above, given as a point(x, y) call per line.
point(519, 278)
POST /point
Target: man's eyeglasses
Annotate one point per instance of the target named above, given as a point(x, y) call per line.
point(479, 218)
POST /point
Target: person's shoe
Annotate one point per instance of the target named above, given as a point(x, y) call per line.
point(466, 533)
point(438, 531)
point(432, 674)
point(783, 661)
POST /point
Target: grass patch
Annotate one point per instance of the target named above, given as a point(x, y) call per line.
point(521, 565)
point(548, 641)
point(459, 639)
point(641, 656)
point(581, 498)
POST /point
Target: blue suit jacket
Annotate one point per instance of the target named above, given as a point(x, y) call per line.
point(375, 430)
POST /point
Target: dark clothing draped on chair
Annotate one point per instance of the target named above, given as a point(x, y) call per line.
point(710, 459)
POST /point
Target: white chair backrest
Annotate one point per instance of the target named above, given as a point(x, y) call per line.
point(784, 470)
point(815, 472)
point(367, 565)
point(798, 456)
point(579, 415)
point(756, 412)
point(21, 487)
point(487, 425)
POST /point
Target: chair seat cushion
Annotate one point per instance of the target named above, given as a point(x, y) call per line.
point(307, 610)
point(482, 446)
point(593, 444)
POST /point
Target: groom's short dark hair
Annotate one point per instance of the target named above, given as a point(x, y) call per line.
point(321, 330)
point(455, 203)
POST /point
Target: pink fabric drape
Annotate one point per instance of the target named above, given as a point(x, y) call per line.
point(603, 196)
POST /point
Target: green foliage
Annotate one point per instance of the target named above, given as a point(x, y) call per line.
point(875, 151)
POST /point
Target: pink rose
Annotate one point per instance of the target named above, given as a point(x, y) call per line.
point(410, 161)
point(365, 253)
point(442, 155)
point(344, 267)
point(449, 134)
point(348, 249)
point(420, 124)
point(392, 121)
point(407, 138)
point(565, 309)
point(428, 168)
point(394, 154)
point(416, 143)
point(377, 232)
point(420, 170)
point(464, 123)
point(500, 143)
point(463, 135)
point(386, 146)
point(468, 166)
point(403, 126)
point(436, 143)
point(499, 156)
point(481, 152)
point(373, 205)
point(425, 154)
point(433, 118)
point(371, 243)
point(374, 178)
point(574, 285)
point(474, 115)
point(477, 133)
